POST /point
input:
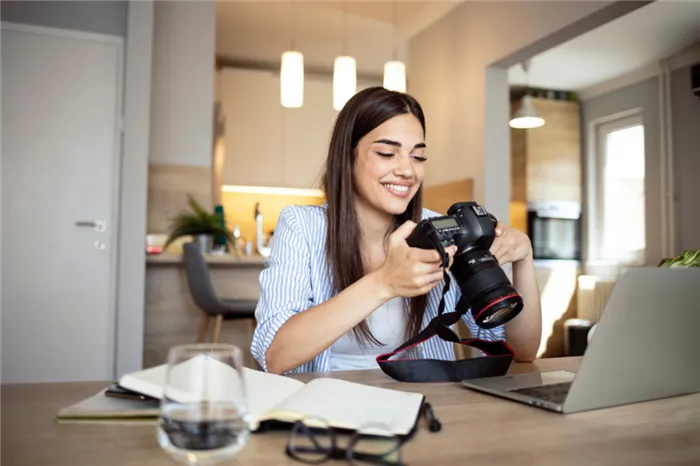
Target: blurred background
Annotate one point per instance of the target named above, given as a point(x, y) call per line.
point(576, 122)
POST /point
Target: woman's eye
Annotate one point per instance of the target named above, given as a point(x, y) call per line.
point(385, 154)
point(420, 158)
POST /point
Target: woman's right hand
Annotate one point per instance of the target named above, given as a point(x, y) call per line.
point(407, 271)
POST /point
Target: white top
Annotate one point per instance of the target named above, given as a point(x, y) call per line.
point(387, 324)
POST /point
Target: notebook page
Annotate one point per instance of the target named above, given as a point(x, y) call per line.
point(266, 391)
point(263, 391)
point(352, 405)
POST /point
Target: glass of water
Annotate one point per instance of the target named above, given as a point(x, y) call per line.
point(203, 415)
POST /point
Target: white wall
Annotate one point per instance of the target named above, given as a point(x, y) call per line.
point(134, 184)
point(101, 17)
point(448, 74)
point(182, 104)
point(685, 114)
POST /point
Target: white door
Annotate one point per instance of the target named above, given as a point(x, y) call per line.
point(61, 96)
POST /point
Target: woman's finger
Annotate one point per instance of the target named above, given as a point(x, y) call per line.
point(500, 228)
point(430, 279)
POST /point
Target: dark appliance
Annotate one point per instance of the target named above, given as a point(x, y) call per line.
point(555, 230)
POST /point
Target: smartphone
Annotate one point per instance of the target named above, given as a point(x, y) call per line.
point(116, 391)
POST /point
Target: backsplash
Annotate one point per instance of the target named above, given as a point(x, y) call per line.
point(239, 208)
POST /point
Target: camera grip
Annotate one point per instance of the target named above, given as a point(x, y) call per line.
point(419, 238)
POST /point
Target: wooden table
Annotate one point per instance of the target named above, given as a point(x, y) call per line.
point(478, 429)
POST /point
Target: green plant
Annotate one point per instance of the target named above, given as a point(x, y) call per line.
point(197, 222)
point(688, 258)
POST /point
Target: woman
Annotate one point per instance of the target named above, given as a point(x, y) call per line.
point(355, 244)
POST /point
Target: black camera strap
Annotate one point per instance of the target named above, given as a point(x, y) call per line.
point(496, 362)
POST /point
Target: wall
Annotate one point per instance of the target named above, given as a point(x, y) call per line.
point(644, 96)
point(685, 116)
point(467, 113)
point(98, 16)
point(135, 23)
point(182, 109)
point(134, 188)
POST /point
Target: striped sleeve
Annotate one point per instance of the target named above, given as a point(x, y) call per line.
point(285, 284)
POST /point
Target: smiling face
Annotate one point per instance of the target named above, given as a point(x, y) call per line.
point(388, 166)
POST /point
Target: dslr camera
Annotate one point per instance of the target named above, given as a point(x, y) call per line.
point(485, 288)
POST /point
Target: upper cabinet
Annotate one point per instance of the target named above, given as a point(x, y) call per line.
point(266, 144)
point(546, 161)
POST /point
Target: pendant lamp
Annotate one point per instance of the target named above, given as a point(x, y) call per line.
point(292, 79)
point(395, 76)
point(344, 80)
point(526, 117)
point(395, 70)
point(292, 71)
point(344, 71)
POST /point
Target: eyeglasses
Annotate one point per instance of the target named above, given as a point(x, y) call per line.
point(314, 441)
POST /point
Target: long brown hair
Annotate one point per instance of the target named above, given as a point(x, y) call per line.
point(365, 111)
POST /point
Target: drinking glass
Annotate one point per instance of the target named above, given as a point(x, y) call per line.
point(203, 414)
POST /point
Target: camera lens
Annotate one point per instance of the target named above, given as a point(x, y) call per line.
point(485, 288)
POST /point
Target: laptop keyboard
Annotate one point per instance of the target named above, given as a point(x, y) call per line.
point(555, 393)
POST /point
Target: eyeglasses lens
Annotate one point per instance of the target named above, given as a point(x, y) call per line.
point(311, 441)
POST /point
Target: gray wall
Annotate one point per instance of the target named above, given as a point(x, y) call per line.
point(101, 17)
point(685, 113)
point(644, 96)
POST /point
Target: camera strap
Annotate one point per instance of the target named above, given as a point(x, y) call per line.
point(496, 362)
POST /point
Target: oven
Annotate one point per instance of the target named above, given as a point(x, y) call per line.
point(555, 230)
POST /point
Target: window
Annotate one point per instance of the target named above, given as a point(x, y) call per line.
point(618, 230)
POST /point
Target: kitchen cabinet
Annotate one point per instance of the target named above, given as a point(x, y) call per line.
point(267, 144)
point(546, 161)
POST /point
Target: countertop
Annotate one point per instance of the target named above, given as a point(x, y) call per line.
point(213, 259)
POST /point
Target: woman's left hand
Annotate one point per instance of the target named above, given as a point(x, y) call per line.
point(510, 245)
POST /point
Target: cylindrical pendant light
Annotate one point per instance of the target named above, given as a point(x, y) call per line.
point(395, 70)
point(292, 79)
point(344, 80)
point(395, 76)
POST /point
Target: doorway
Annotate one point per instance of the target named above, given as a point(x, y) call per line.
point(61, 108)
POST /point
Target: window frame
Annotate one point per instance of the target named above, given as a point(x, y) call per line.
point(598, 131)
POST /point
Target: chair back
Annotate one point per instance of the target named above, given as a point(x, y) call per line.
point(199, 280)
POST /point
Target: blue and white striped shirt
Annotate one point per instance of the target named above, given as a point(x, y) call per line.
point(296, 278)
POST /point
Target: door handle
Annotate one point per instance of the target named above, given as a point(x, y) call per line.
point(98, 225)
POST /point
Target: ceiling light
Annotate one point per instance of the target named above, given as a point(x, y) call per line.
point(292, 79)
point(526, 117)
point(395, 76)
point(344, 80)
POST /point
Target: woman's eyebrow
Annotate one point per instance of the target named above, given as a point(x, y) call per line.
point(397, 144)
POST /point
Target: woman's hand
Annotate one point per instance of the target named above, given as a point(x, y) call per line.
point(510, 245)
point(408, 271)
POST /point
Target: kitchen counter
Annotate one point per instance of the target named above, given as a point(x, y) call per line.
point(173, 318)
point(211, 259)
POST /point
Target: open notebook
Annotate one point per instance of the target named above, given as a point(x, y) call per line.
point(274, 399)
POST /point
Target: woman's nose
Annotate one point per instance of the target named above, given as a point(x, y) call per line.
point(404, 167)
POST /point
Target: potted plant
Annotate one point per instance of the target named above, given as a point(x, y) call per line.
point(688, 258)
point(201, 225)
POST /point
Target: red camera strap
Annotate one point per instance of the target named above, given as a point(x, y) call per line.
point(496, 362)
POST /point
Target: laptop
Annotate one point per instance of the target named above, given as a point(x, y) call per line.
point(646, 346)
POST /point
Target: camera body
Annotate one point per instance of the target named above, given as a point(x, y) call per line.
point(485, 288)
point(466, 225)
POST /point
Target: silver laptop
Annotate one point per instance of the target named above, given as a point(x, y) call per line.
point(645, 347)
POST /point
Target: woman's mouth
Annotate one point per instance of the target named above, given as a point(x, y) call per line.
point(397, 189)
